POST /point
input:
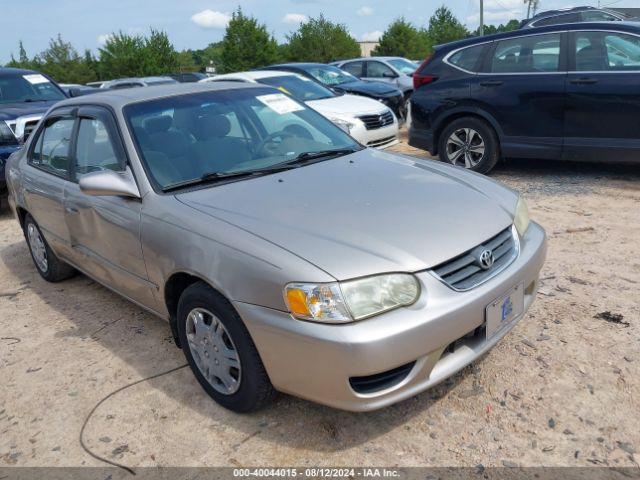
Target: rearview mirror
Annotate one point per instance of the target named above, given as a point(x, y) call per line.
point(109, 183)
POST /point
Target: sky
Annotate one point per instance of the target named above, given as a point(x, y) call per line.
point(196, 23)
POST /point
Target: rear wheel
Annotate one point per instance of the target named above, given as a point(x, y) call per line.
point(471, 143)
point(49, 266)
point(220, 350)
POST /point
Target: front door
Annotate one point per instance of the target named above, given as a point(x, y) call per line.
point(602, 118)
point(380, 72)
point(105, 231)
point(522, 86)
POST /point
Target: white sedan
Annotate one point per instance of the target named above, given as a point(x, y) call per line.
point(368, 121)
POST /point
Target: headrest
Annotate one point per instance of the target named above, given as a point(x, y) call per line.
point(212, 126)
point(158, 124)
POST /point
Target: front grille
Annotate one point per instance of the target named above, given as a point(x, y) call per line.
point(373, 122)
point(381, 141)
point(465, 271)
point(380, 381)
point(29, 127)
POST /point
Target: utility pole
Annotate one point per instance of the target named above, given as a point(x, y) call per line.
point(481, 17)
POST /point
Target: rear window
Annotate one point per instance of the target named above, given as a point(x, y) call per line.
point(468, 59)
point(557, 20)
point(535, 53)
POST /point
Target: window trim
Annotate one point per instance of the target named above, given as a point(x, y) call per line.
point(60, 113)
point(485, 46)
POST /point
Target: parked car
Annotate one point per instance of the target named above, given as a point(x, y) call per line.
point(574, 15)
point(396, 71)
point(293, 260)
point(341, 81)
point(136, 82)
point(97, 84)
point(24, 97)
point(561, 92)
point(187, 77)
point(76, 90)
point(366, 120)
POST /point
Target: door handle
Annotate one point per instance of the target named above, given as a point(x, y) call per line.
point(583, 81)
point(491, 83)
point(71, 209)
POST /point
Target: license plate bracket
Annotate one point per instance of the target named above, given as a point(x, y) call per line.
point(504, 310)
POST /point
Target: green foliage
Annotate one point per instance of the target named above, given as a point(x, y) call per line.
point(159, 55)
point(210, 56)
point(403, 39)
point(187, 62)
point(320, 40)
point(491, 29)
point(444, 27)
point(122, 56)
point(246, 45)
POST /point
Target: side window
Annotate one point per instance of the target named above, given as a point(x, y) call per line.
point(607, 51)
point(537, 53)
point(557, 20)
point(597, 16)
point(468, 59)
point(379, 70)
point(354, 68)
point(94, 148)
point(51, 152)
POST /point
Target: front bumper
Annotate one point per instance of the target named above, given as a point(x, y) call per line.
point(315, 361)
point(422, 139)
point(377, 138)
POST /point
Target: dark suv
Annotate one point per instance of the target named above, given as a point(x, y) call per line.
point(573, 15)
point(25, 96)
point(561, 92)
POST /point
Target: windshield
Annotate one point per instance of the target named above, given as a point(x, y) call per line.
point(298, 87)
point(402, 65)
point(32, 87)
point(187, 137)
point(330, 76)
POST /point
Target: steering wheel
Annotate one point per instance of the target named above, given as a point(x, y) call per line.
point(271, 140)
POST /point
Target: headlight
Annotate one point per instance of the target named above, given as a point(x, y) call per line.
point(521, 219)
point(343, 124)
point(352, 300)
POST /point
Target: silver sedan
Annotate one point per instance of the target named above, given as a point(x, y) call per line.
point(284, 255)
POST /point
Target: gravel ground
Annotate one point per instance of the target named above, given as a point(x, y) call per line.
point(561, 390)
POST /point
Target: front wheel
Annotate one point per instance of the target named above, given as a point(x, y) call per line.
point(220, 350)
point(49, 266)
point(471, 143)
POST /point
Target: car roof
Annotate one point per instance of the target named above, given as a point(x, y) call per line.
point(630, 27)
point(560, 11)
point(120, 98)
point(301, 65)
point(15, 71)
point(385, 58)
point(253, 75)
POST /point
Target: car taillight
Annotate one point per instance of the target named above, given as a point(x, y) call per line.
point(421, 79)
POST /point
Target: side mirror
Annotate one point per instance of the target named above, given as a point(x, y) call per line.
point(389, 75)
point(109, 183)
point(74, 92)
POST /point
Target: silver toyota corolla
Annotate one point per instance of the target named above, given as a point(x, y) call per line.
point(284, 255)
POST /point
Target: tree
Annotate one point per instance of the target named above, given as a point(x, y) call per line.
point(490, 29)
point(122, 56)
point(63, 63)
point(246, 45)
point(402, 39)
point(187, 61)
point(210, 56)
point(320, 40)
point(444, 27)
point(159, 55)
point(23, 60)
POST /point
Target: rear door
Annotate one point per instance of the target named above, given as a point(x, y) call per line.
point(105, 230)
point(602, 118)
point(522, 86)
point(354, 68)
point(45, 178)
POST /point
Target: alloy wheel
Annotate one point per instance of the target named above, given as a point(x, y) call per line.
point(38, 248)
point(465, 145)
point(213, 351)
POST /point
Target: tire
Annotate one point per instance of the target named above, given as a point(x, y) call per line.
point(49, 266)
point(469, 142)
point(238, 380)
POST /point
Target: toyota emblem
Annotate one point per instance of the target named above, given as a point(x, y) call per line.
point(486, 259)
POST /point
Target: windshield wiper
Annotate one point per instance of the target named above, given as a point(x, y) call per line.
point(306, 156)
point(30, 100)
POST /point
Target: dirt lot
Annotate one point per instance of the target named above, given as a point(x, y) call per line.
point(562, 389)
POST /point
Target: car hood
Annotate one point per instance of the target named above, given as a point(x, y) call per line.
point(368, 88)
point(347, 105)
point(11, 111)
point(365, 213)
